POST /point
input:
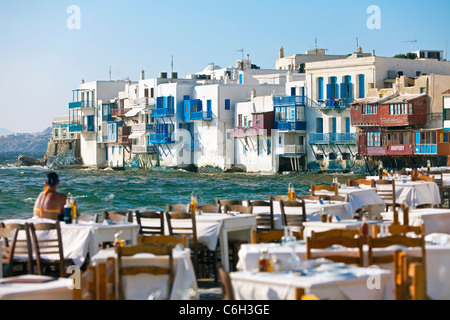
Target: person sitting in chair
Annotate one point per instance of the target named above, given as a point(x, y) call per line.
point(50, 203)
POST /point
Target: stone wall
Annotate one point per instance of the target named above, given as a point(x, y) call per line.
point(63, 152)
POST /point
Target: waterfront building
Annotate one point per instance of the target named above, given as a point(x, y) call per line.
point(334, 85)
point(86, 119)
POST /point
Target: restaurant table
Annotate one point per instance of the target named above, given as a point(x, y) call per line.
point(35, 287)
point(318, 226)
point(141, 286)
point(84, 238)
point(214, 228)
point(414, 193)
point(328, 281)
point(437, 259)
point(436, 220)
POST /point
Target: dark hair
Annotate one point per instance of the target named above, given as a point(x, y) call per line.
point(52, 178)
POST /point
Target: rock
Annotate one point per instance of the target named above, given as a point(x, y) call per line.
point(27, 161)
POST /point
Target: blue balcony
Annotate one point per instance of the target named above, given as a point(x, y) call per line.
point(162, 112)
point(81, 104)
point(334, 103)
point(290, 125)
point(289, 101)
point(425, 149)
point(75, 127)
point(332, 138)
point(159, 138)
point(193, 110)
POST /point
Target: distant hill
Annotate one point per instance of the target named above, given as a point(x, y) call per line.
point(26, 142)
point(5, 132)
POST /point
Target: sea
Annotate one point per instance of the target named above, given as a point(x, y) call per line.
point(97, 190)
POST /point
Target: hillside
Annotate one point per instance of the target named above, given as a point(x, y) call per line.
point(26, 142)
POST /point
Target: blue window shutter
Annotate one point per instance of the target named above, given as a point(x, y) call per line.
point(343, 90)
point(361, 80)
point(293, 91)
point(241, 80)
point(329, 91)
point(336, 91)
point(227, 104)
point(417, 137)
point(334, 125)
point(320, 88)
point(347, 125)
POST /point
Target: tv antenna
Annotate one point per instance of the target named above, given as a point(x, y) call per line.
point(411, 42)
point(242, 51)
point(316, 47)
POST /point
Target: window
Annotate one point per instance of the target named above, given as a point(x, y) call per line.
point(269, 147)
point(320, 88)
point(373, 139)
point(240, 120)
point(361, 86)
point(227, 104)
point(369, 109)
point(319, 125)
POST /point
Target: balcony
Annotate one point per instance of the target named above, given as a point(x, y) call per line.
point(425, 149)
point(328, 104)
point(290, 125)
point(119, 112)
point(81, 104)
point(143, 127)
point(248, 132)
point(293, 150)
point(371, 151)
point(332, 138)
point(143, 149)
point(200, 115)
point(289, 101)
point(81, 128)
point(159, 138)
point(162, 112)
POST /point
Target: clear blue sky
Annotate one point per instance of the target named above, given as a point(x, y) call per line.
point(41, 60)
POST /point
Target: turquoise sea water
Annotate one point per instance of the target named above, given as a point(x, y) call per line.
point(99, 190)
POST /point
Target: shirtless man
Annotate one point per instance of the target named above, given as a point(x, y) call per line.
point(49, 204)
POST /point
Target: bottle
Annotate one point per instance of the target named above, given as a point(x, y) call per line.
point(293, 192)
point(264, 260)
point(323, 215)
point(68, 212)
point(395, 214)
point(380, 170)
point(285, 238)
point(365, 228)
point(405, 209)
point(290, 196)
point(428, 166)
point(118, 242)
point(74, 209)
point(194, 206)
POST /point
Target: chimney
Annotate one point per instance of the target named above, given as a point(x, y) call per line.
point(142, 74)
point(281, 52)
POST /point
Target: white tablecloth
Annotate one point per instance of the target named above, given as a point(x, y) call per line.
point(435, 219)
point(336, 282)
point(317, 226)
point(437, 257)
point(59, 289)
point(80, 239)
point(139, 287)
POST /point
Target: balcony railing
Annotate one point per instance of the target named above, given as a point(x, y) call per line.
point(290, 125)
point(143, 102)
point(162, 112)
point(289, 101)
point(121, 112)
point(334, 103)
point(159, 138)
point(143, 127)
point(332, 138)
point(294, 150)
point(199, 115)
point(81, 104)
point(81, 128)
point(425, 149)
point(143, 149)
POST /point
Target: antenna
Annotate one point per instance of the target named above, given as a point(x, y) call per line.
point(171, 65)
point(411, 42)
point(110, 78)
point(357, 44)
point(242, 51)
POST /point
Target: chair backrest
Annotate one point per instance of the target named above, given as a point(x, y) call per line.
point(15, 245)
point(186, 227)
point(161, 239)
point(263, 221)
point(146, 229)
point(358, 182)
point(271, 236)
point(129, 270)
point(400, 229)
point(111, 281)
point(209, 208)
point(238, 208)
point(330, 189)
point(49, 244)
point(307, 197)
point(227, 202)
point(227, 287)
point(88, 218)
point(423, 178)
point(118, 216)
point(279, 197)
point(342, 198)
point(88, 281)
point(386, 191)
point(4, 235)
point(324, 240)
point(293, 219)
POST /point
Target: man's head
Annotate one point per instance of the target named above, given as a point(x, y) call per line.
point(52, 179)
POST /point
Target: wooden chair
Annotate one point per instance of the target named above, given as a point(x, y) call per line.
point(293, 219)
point(387, 194)
point(329, 189)
point(209, 208)
point(307, 197)
point(400, 229)
point(263, 221)
point(227, 287)
point(300, 294)
point(279, 197)
point(159, 250)
point(4, 235)
point(204, 260)
point(410, 277)
point(118, 216)
point(423, 178)
point(341, 198)
point(49, 244)
point(88, 218)
point(358, 182)
point(147, 230)
point(345, 238)
point(16, 245)
point(227, 202)
point(237, 208)
point(111, 281)
point(167, 240)
point(273, 236)
point(88, 282)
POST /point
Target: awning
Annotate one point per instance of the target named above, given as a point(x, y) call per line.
point(133, 112)
point(136, 135)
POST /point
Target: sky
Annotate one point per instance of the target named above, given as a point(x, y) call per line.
point(46, 48)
